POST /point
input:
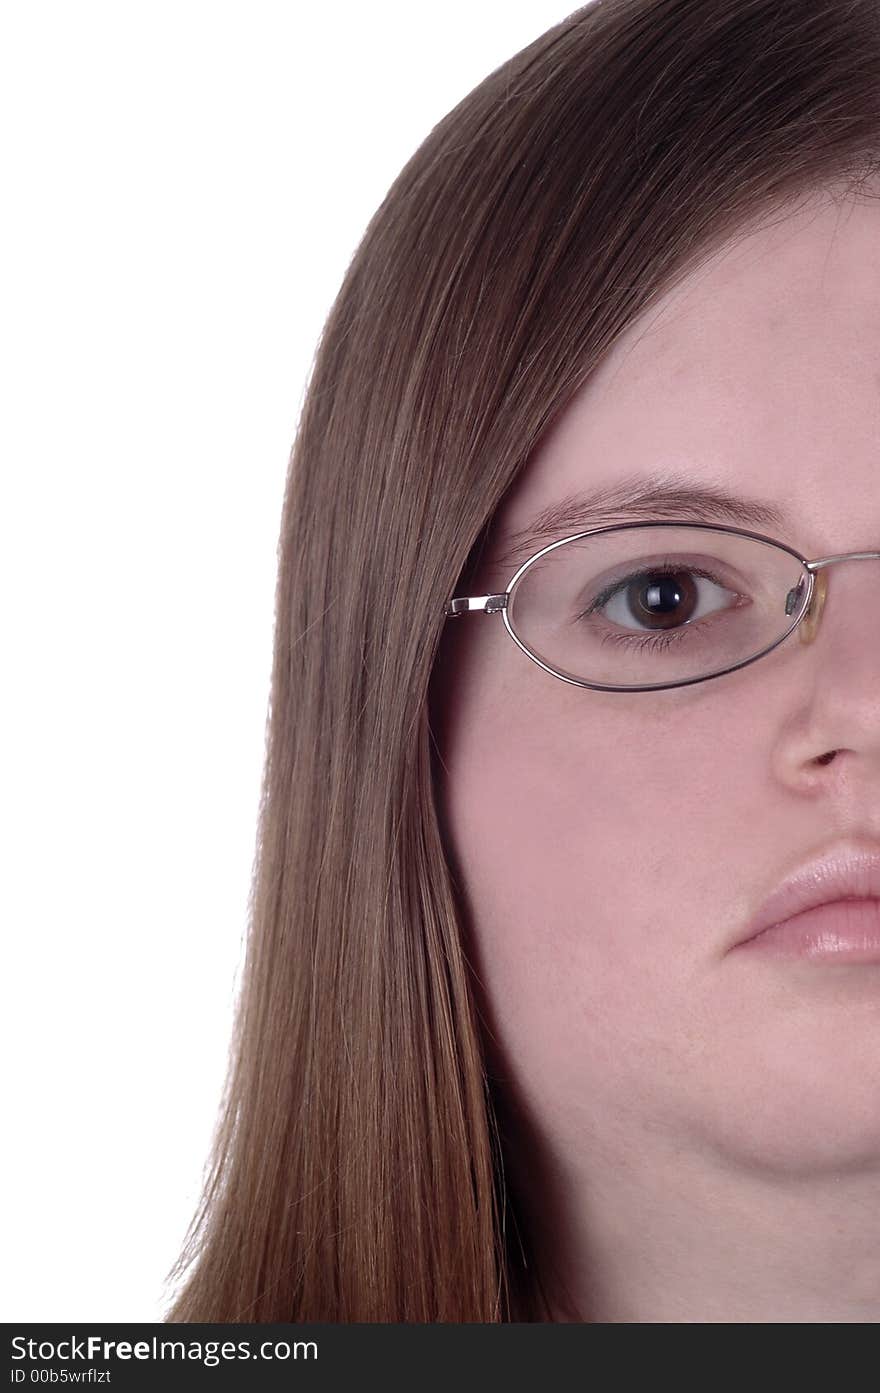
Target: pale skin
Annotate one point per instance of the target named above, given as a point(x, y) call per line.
point(701, 1128)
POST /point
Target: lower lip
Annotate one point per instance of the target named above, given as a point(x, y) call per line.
point(846, 931)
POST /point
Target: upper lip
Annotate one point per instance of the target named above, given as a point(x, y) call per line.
point(845, 872)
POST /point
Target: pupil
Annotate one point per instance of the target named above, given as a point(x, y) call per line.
point(663, 597)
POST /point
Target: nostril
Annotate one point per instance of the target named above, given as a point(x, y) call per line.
point(827, 758)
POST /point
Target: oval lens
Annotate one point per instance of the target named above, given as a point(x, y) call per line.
point(660, 604)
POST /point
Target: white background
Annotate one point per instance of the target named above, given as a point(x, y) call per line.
point(183, 185)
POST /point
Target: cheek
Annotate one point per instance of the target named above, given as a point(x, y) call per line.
point(559, 822)
point(588, 854)
point(566, 854)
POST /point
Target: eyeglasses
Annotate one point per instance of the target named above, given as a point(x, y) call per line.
point(711, 598)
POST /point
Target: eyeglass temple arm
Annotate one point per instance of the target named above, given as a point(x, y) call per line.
point(487, 603)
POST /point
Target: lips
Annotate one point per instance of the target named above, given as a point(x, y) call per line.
point(848, 871)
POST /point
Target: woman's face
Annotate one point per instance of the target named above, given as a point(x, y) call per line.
point(612, 847)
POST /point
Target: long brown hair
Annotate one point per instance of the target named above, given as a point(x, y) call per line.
point(358, 1166)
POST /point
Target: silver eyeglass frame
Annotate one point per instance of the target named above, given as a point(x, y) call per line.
point(807, 620)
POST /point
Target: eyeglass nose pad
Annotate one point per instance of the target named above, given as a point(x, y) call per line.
point(809, 625)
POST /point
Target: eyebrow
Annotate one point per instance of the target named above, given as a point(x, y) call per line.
point(642, 498)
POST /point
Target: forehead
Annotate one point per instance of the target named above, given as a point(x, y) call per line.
point(759, 372)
